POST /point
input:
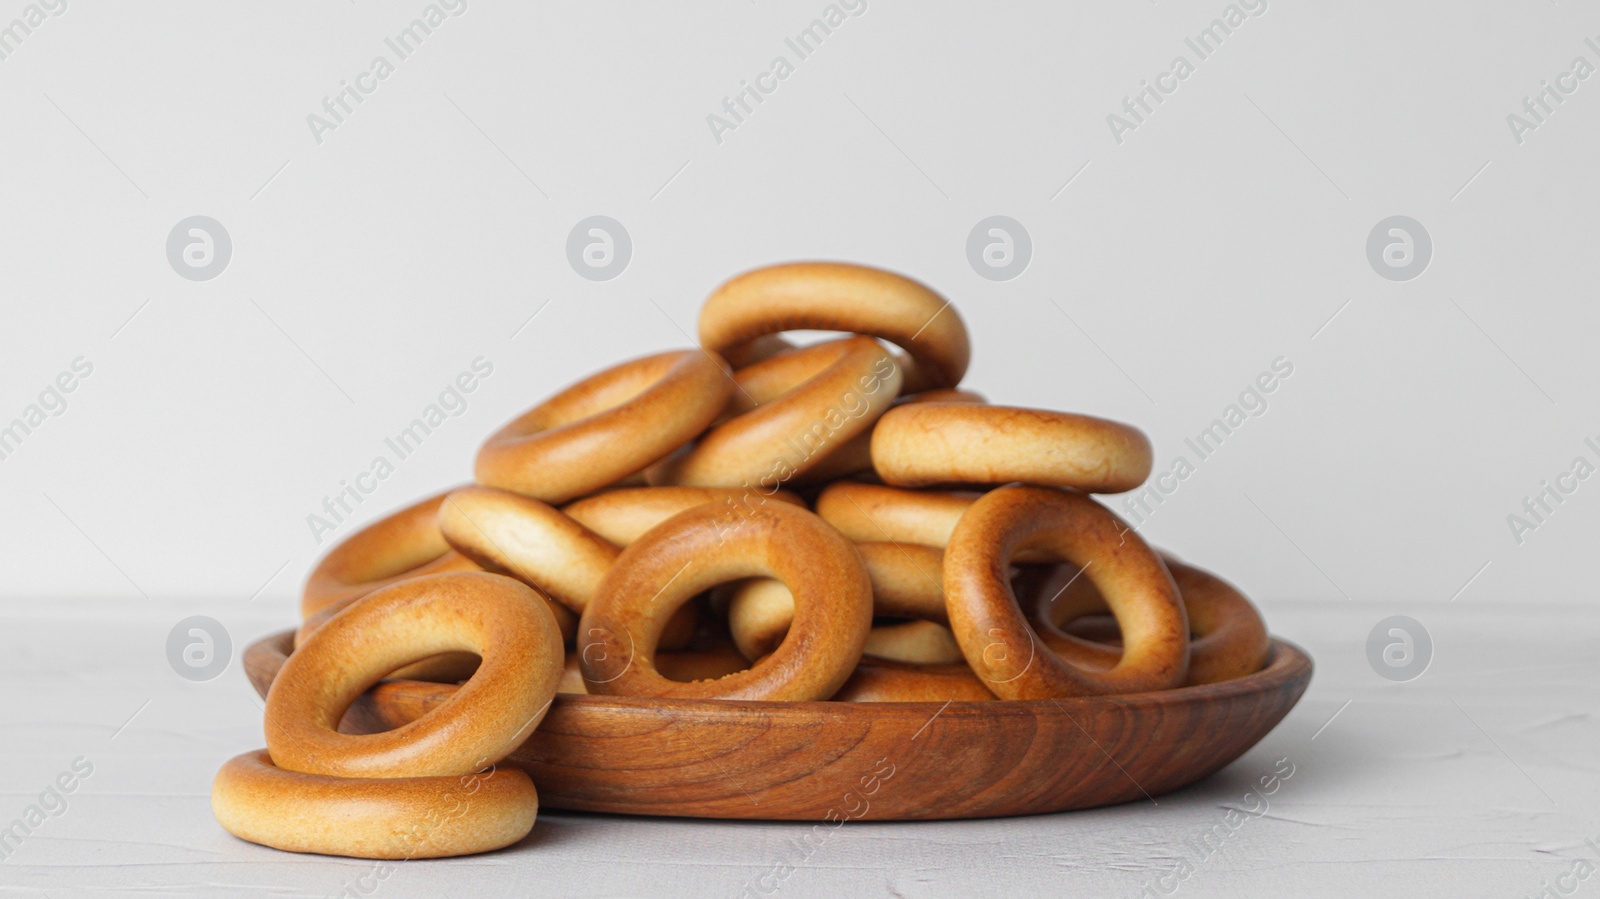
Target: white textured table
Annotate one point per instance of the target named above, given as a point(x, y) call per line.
point(1480, 778)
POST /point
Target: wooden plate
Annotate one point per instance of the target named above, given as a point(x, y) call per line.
point(815, 761)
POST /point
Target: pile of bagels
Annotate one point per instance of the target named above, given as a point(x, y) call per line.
point(745, 520)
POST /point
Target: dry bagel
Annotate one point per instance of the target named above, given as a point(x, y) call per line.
point(906, 583)
point(1003, 648)
point(876, 680)
point(624, 515)
point(1228, 637)
point(542, 547)
point(815, 401)
point(504, 622)
point(914, 643)
point(687, 665)
point(836, 296)
point(536, 543)
point(855, 456)
point(384, 818)
point(404, 544)
point(920, 444)
point(710, 545)
point(606, 427)
point(870, 513)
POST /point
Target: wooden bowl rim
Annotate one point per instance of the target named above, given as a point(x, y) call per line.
point(1286, 663)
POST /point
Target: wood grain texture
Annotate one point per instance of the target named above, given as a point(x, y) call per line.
point(1399, 794)
point(827, 760)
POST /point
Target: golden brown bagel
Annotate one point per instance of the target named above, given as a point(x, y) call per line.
point(914, 643)
point(1228, 637)
point(387, 552)
point(701, 664)
point(542, 547)
point(811, 402)
point(571, 676)
point(760, 610)
point(623, 516)
point(689, 665)
point(503, 621)
point(906, 583)
point(404, 544)
point(855, 456)
point(606, 427)
point(780, 375)
point(447, 667)
point(920, 444)
point(872, 513)
point(1000, 644)
point(837, 296)
point(536, 543)
point(907, 580)
point(388, 818)
point(869, 513)
point(757, 350)
point(876, 680)
point(710, 545)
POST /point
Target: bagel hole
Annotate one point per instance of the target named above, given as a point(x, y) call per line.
point(911, 641)
point(1099, 628)
point(709, 652)
point(371, 715)
point(1031, 582)
point(444, 668)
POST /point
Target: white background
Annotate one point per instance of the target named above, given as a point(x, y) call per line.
point(1227, 230)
